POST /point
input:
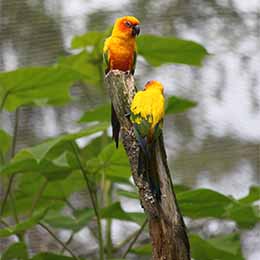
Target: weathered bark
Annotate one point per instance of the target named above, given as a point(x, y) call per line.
point(167, 229)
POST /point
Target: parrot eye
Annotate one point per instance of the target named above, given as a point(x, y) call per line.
point(128, 24)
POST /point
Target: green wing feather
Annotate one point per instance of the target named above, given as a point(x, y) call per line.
point(147, 165)
point(134, 63)
point(106, 61)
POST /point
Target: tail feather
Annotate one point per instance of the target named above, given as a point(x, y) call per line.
point(115, 125)
point(147, 165)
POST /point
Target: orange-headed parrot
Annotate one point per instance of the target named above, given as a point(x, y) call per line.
point(147, 112)
point(120, 53)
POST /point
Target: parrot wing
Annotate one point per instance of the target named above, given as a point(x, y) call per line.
point(134, 63)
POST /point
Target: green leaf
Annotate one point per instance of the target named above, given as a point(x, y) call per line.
point(101, 114)
point(142, 250)
point(53, 172)
point(23, 226)
point(5, 141)
point(179, 188)
point(128, 194)
point(158, 50)
point(94, 148)
point(52, 256)
point(254, 195)
point(84, 64)
point(205, 250)
point(203, 203)
point(229, 243)
point(76, 222)
point(50, 169)
point(27, 185)
point(38, 86)
point(115, 211)
point(114, 163)
point(15, 251)
point(245, 215)
point(178, 105)
point(87, 39)
point(34, 158)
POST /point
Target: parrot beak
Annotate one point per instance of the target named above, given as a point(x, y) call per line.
point(135, 30)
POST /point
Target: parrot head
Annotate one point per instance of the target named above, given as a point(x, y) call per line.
point(154, 84)
point(127, 26)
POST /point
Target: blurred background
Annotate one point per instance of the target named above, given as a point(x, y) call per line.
point(215, 145)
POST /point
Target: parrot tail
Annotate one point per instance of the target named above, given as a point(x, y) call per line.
point(147, 165)
point(115, 125)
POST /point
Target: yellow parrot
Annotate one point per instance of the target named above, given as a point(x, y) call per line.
point(120, 53)
point(147, 113)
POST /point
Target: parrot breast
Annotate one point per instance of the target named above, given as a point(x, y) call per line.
point(121, 54)
point(148, 105)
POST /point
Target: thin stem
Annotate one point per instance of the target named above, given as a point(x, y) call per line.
point(135, 238)
point(108, 200)
point(92, 198)
point(16, 127)
point(124, 242)
point(38, 196)
point(58, 240)
point(2, 158)
point(69, 204)
point(3, 222)
point(12, 200)
point(9, 186)
point(11, 179)
point(67, 243)
point(3, 100)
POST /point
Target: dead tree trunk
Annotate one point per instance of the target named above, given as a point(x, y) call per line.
point(167, 229)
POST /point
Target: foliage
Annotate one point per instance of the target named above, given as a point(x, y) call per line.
point(41, 180)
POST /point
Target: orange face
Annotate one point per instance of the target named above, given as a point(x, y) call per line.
point(154, 84)
point(127, 25)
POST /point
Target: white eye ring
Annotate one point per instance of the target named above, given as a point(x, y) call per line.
point(128, 24)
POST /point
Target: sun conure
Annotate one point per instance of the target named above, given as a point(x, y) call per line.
point(120, 53)
point(147, 112)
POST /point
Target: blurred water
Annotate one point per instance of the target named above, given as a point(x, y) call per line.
point(215, 145)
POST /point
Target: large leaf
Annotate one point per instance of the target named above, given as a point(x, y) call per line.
point(23, 226)
point(84, 64)
point(5, 141)
point(158, 50)
point(245, 215)
point(178, 105)
point(142, 250)
point(114, 163)
point(38, 85)
point(93, 149)
point(115, 211)
point(229, 243)
point(15, 251)
point(75, 222)
point(55, 194)
point(40, 151)
point(203, 203)
point(35, 158)
point(254, 195)
point(128, 194)
point(205, 250)
point(101, 113)
point(87, 39)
